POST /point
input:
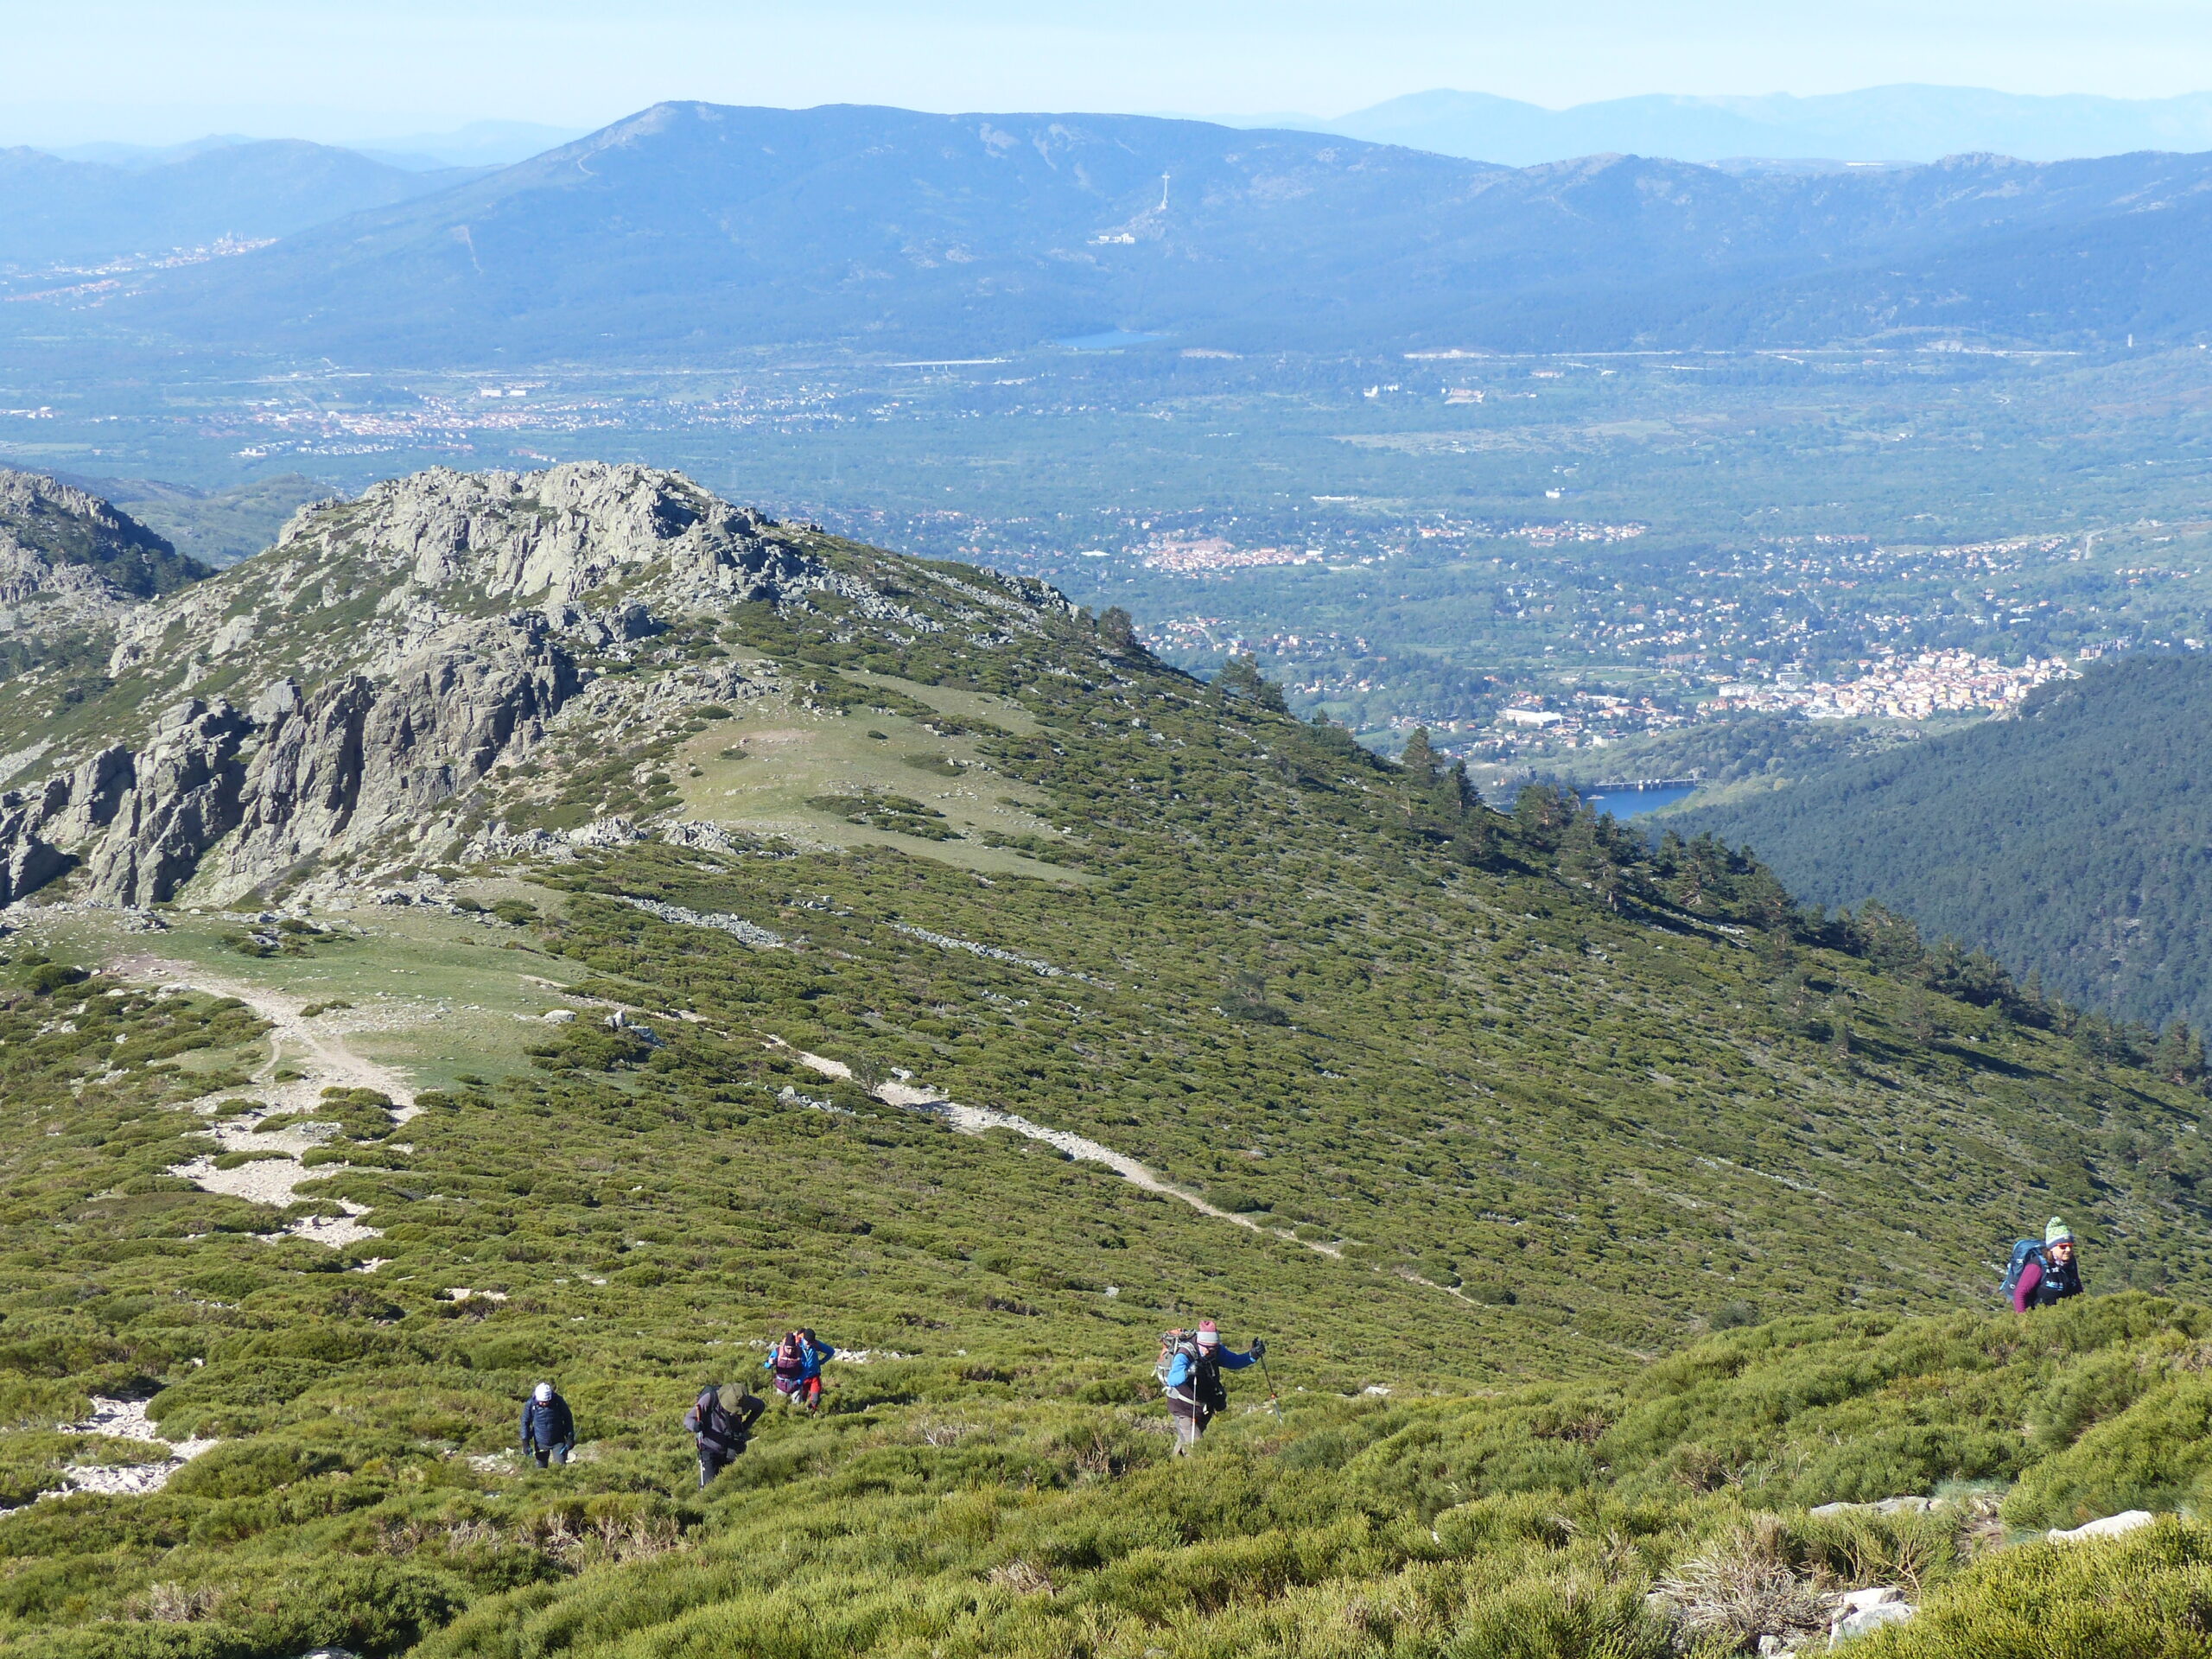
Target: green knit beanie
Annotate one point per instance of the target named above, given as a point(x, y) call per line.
point(2057, 1232)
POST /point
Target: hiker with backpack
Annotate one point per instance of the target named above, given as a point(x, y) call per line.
point(2042, 1273)
point(796, 1363)
point(549, 1427)
point(720, 1423)
point(1188, 1370)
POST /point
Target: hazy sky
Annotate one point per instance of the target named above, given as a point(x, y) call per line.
point(156, 70)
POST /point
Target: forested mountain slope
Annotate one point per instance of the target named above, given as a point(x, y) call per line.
point(52, 210)
point(561, 923)
point(691, 228)
point(2070, 841)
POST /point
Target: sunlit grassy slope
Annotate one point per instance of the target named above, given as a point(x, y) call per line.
point(1514, 1113)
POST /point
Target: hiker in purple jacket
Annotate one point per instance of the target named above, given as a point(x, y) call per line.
point(2051, 1275)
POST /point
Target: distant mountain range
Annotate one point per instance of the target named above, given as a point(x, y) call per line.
point(479, 144)
point(53, 210)
point(1893, 124)
point(695, 228)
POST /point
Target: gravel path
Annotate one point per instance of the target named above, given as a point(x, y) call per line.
point(315, 1048)
point(126, 1420)
point(975, 1120)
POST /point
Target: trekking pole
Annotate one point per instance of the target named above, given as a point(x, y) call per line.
point(1275, 1400)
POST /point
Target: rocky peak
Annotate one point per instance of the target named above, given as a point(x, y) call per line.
point(358, 587)
point(68, 555)
point(554, 536)
point(328, 707)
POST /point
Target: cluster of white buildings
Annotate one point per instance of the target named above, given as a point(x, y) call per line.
point(1198, 556)
point(1901, 687)
point(1575, 529)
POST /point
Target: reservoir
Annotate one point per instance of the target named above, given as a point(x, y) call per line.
point(1635, 803)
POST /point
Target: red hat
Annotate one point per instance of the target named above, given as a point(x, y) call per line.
point(1209, 1333)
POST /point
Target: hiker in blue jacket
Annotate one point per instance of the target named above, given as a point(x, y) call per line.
point(549, 1427)
point(1190, 1364)
point(796, 1363)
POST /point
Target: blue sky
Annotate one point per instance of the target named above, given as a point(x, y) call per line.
point(157, 70)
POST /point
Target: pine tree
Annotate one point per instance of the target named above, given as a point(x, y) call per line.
point(1419, 758)
point(1476, 841)
point(1118, 634)
point(2179, 1057)
point(1240, 678)
point(1587, 859)
point(1543, 811)
point(1455, 792)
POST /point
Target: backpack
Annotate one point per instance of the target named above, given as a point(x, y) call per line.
point(714, 1424)
point(2023, 1251)
point(1174, 1342)
point(789, 1364)
point(1203, 1384)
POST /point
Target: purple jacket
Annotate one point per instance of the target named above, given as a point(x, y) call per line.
point(2057, 1282)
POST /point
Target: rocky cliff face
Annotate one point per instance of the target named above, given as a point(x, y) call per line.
point(69, 559)
point(370, 670)
point(328, 707)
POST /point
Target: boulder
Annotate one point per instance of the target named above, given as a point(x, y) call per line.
point(2113, 1526)
point(1883, 1506)
point(1865, 1621)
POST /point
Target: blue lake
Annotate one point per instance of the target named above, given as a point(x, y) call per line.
point(1635, 803)
point(1112, 341)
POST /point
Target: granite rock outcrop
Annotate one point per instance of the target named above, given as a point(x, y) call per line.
point(374, 666)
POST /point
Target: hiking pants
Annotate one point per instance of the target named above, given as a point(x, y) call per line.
point(805, 1393)
point(550, 1454)
point(712, 1464)
point(1187, 1430)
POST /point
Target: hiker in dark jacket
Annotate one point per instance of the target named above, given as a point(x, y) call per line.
point(549, 1427)
point(2052, 1275)
point(720, 1423)
point(795, 1363)
point(1191, 1366)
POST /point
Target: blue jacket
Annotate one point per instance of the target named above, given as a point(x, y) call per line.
point(550, 1424)
point(811, 1356)
point(1179, 1372)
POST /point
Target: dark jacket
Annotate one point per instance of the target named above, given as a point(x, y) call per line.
point(2043, 1281)
point(550, 1424)
point(722, 1418)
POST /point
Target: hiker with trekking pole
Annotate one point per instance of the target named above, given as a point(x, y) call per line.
point(2040, 1274)
point(796, 1363)
point(1190, 1367)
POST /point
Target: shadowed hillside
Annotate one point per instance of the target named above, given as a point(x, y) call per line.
point(2070, 841)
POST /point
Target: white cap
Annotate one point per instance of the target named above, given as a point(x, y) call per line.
point(542, 1393)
